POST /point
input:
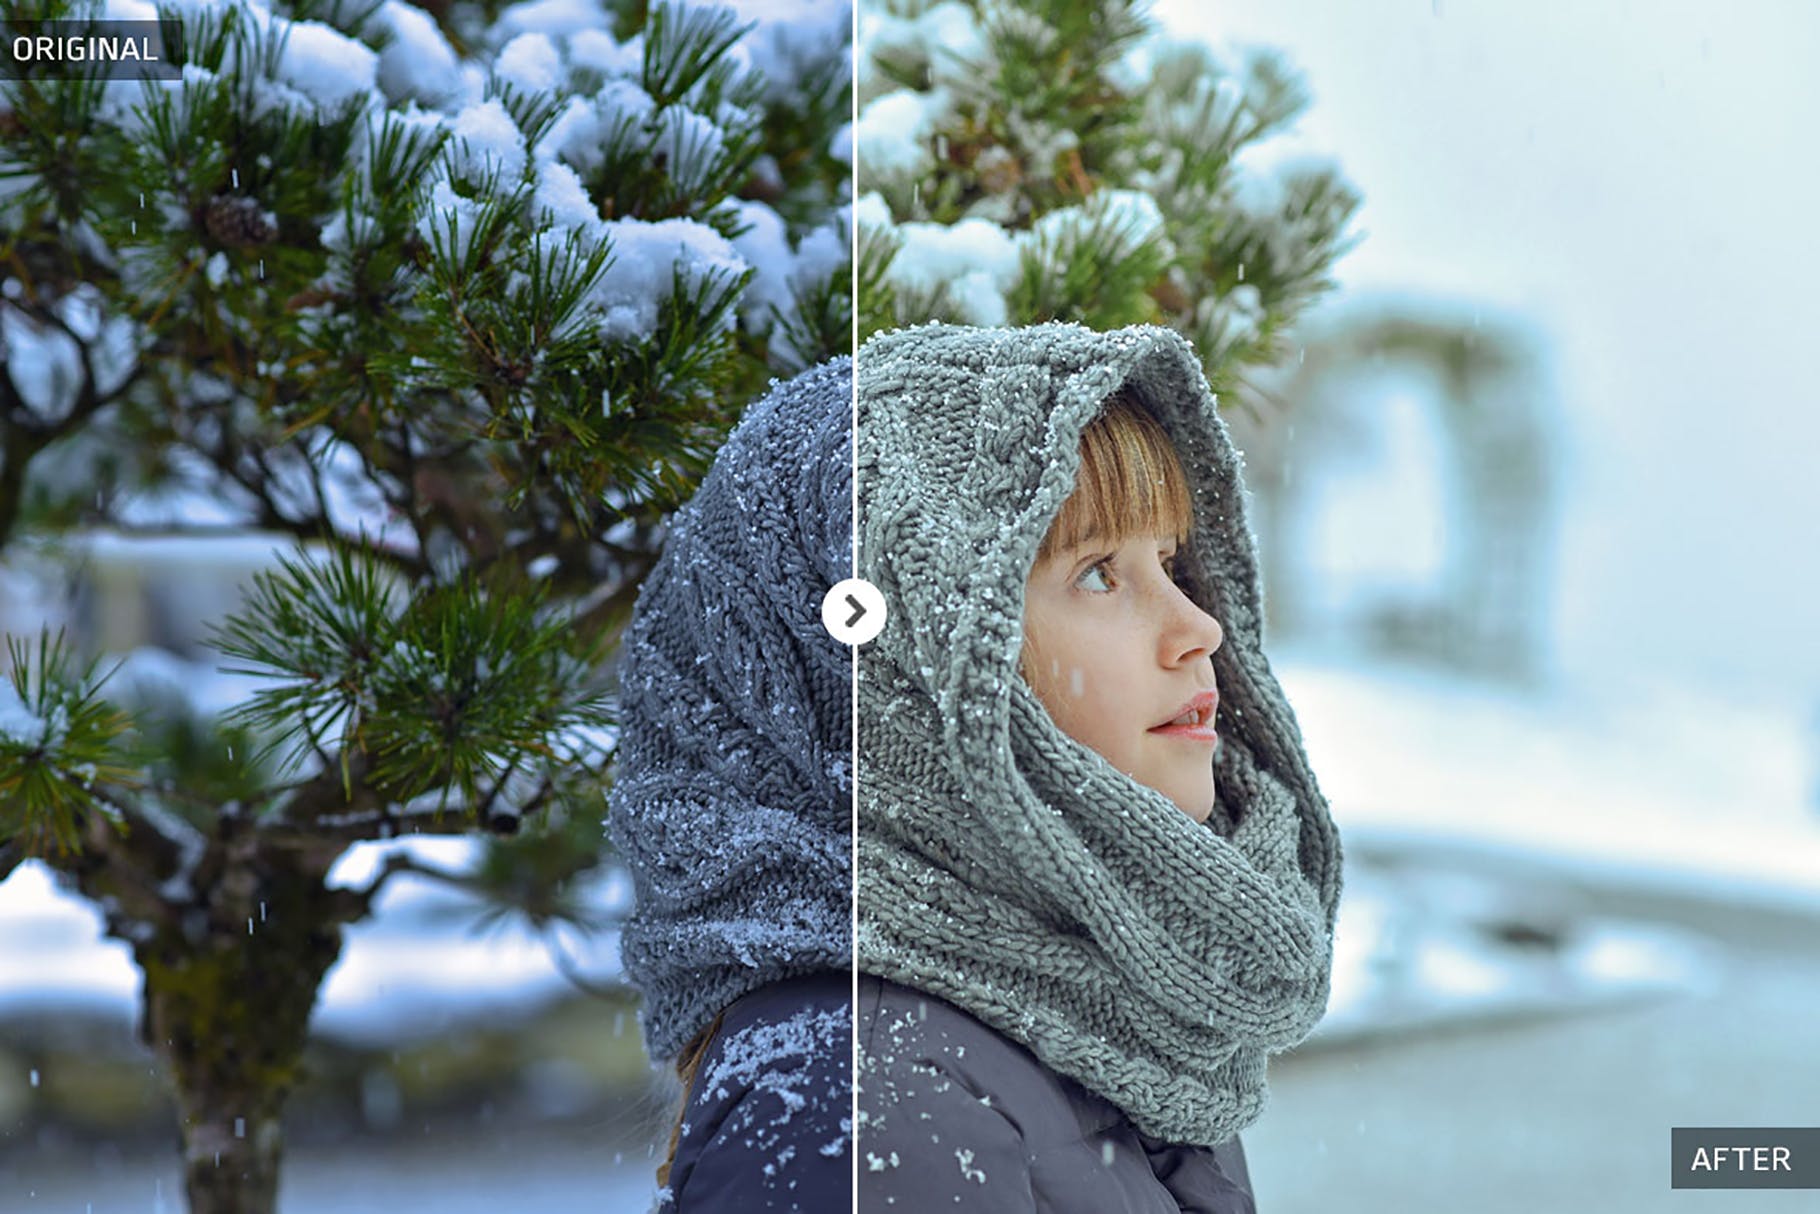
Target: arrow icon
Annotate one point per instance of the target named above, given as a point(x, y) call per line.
point(853, 611)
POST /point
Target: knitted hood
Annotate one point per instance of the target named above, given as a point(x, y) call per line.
point(1006, 867)
point(731, 803)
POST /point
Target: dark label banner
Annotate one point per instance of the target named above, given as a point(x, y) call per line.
point(1742, 1157)
point(94, 50)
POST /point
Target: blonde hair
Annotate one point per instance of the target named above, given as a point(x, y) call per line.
point(1131, 481)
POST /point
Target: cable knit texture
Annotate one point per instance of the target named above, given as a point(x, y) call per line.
point(732, 800)
point(1004, 866)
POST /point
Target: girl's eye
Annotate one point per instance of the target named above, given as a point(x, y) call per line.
point(1096, 578)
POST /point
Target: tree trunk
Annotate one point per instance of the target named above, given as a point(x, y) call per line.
point(228, 995)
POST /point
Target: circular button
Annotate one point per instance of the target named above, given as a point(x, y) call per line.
point(853, 611)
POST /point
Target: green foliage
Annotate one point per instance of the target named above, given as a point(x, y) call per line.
point(396, 337)
point(819, 323)
point(194, 764)
point(445, 690)
point(877, 299)
point(1129, 178)
point(1096, 271)
point(57, 742)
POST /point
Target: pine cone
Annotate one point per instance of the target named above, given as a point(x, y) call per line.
point(238, 223)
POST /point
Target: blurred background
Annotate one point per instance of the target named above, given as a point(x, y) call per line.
point(1535, 499)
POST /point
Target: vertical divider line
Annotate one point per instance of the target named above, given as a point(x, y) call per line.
point(853, 557)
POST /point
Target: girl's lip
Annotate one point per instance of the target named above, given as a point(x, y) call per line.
point(1198, 711)
point(1191, 733)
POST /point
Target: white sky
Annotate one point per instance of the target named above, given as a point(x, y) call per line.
point(1638, 180)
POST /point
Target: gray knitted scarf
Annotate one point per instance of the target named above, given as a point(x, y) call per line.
point(1009, 869)
point(732, 797)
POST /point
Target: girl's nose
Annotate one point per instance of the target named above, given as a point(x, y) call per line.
point(1191, 634)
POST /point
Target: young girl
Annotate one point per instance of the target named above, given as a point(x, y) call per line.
point(1097, 882)
point(731, 808)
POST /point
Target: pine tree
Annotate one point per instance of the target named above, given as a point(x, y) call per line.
point(1031, 160)
point(460, 304)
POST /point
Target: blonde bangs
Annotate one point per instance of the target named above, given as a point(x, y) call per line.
point(1130, 483)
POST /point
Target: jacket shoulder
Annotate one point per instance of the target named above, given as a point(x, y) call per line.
point(931, 1135)
point(768, 1122)
point(954, 1115)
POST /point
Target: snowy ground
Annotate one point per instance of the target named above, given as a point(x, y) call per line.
point(575, 1172)
point(1654, 787)
point(1461, 803)
point(416, 968)
point(1558, 1113)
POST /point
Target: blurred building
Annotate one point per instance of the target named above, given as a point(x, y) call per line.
point(1403, 468)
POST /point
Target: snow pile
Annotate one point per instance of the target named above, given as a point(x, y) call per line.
point(586, 126)
point(689, 144)
point(1238, 315)
point(945, 40)
point(530, 62)
point(555, 17)
point(649, 259)
point(418, 61)
point(973, 265)
point(780, 272)
point(822, 252)
point(764, 243)
point(449, 221)
point(44, 364)
point(562, 199)
point(327, 66)
point(1259, 174)
point(792, 41)
point(597, 51)
point(487, 145)
point(896, 131)
point(54, 960)
point(543, 47)
point(20, 725)
point(897, 125)
point(1125, 219)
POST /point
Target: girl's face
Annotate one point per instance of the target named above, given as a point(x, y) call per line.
point(1123, 661)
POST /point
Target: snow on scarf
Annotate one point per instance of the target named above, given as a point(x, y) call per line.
point(733, 791)
point(1004, 866)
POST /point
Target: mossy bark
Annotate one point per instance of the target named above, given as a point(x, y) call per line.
point(227, 1001)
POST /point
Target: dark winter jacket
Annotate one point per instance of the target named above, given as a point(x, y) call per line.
point(769, 1121)
point(959, 1117)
